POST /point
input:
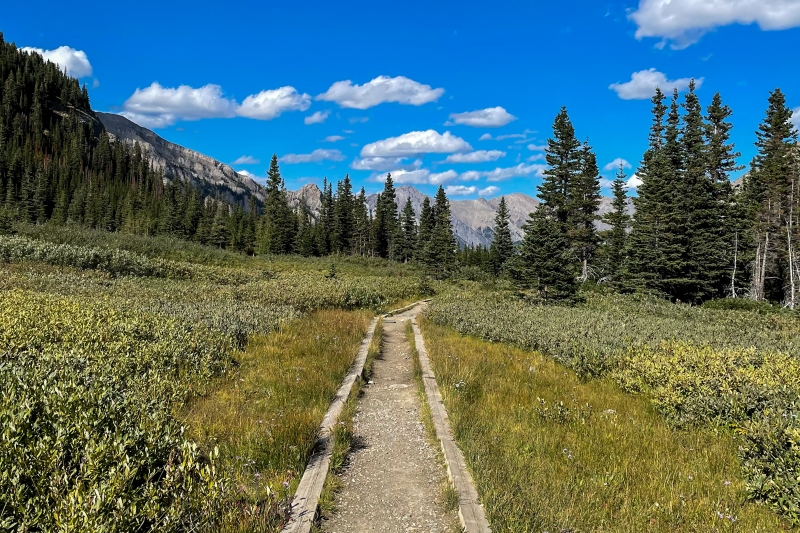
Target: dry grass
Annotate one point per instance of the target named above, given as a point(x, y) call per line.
point(551, 453)
point(264, 416)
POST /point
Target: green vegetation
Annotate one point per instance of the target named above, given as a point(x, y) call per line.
point(552, 453)
point(701, 367)
point(134, 383)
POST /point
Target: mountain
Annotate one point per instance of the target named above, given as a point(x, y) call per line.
point(473, 220)
point(205, 173)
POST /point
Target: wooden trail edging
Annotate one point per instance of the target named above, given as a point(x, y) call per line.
point(306, 498)
point(470, 511)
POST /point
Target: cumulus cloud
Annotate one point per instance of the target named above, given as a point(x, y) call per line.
point(246, 160)
point(537, 147)
point(267, 105)
point(416, 143)
point(333, 138)
point(380, 90)
point(684, 22)
point(420, 176)
point(796, 117)
point(380, 163)
point(167, 105)
point(500, 174)
point(491, 190)
point(460, 190)
point(493, 117)
point(157, 106)
point(246, 173)
point(317, 118)
point(478, 156)
point(615, 164)
point(314, 157)
point(633, 182)
point(74, 61)
point(486, 137)
point(642, 85)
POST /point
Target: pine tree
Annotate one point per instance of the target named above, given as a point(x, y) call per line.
point(426, 224)
point(408, 222)
point(564, 160)
point(362, 224)
point(545, 258)
point(771, 192)
point(344, 224)
point(502, 250)
point(385, 224)
point(583, 199)
point(441, 250)
point(616, 236)
point(721, 162)
point(276, 227)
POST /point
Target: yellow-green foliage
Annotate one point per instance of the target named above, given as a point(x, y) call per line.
point(88, 439)
point(699, 366)
point(550, 452)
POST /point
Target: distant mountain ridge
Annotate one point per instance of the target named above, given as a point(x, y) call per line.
point(473, 220)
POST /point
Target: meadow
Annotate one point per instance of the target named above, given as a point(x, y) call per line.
point(734, 373)
point(143, 391)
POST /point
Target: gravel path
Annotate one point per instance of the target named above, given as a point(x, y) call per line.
point(393, 482)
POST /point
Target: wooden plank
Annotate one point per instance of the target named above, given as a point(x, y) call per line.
point(306, 498)
point(470, 511)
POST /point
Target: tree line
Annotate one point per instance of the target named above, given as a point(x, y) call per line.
point(693, 236)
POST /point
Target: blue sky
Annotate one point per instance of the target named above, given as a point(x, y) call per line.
point(459, 94)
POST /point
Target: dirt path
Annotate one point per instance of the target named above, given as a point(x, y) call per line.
point(393, 482)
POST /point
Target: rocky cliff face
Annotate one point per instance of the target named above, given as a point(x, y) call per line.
point(177, 162)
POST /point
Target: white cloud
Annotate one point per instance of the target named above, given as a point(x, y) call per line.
point(380, 90)
point(500, 174)
point(359, 120)
point(633, 182)
point(415, 143)
point(493, 117)
point(333, 138)
point(605, 183)
point(75, 61)
point(479, 156)
point(796, 117)
point(246, 173)
point(684, 22)
point(163, 106)
point(420, 176)
point(267, 105)
point(460, 190)
point(377, 163)
point(615, 164)
point(536, 157)
point(246, 160)
point(317, 118)
point(537, 147)
point(643, 85)
point(523, 135)
point(491, 190)
point(314, 157)
point(157, 107)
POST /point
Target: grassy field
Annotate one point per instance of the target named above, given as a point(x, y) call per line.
point(145, 391)
point(732, 371)
point(550, 452)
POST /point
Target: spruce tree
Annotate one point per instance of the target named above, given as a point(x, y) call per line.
point(276, 228)
point(344, 223)
point(441, 250)
point(502, 250)
point(545, 258)
point(426, 224)
point(729, 228)
point(408, 221)
point(614, 239)
point(583, 199)
point(385, 224)
point(564, 160)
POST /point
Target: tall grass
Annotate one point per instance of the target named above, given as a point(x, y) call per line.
point(550, 452)
point(264, 417)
